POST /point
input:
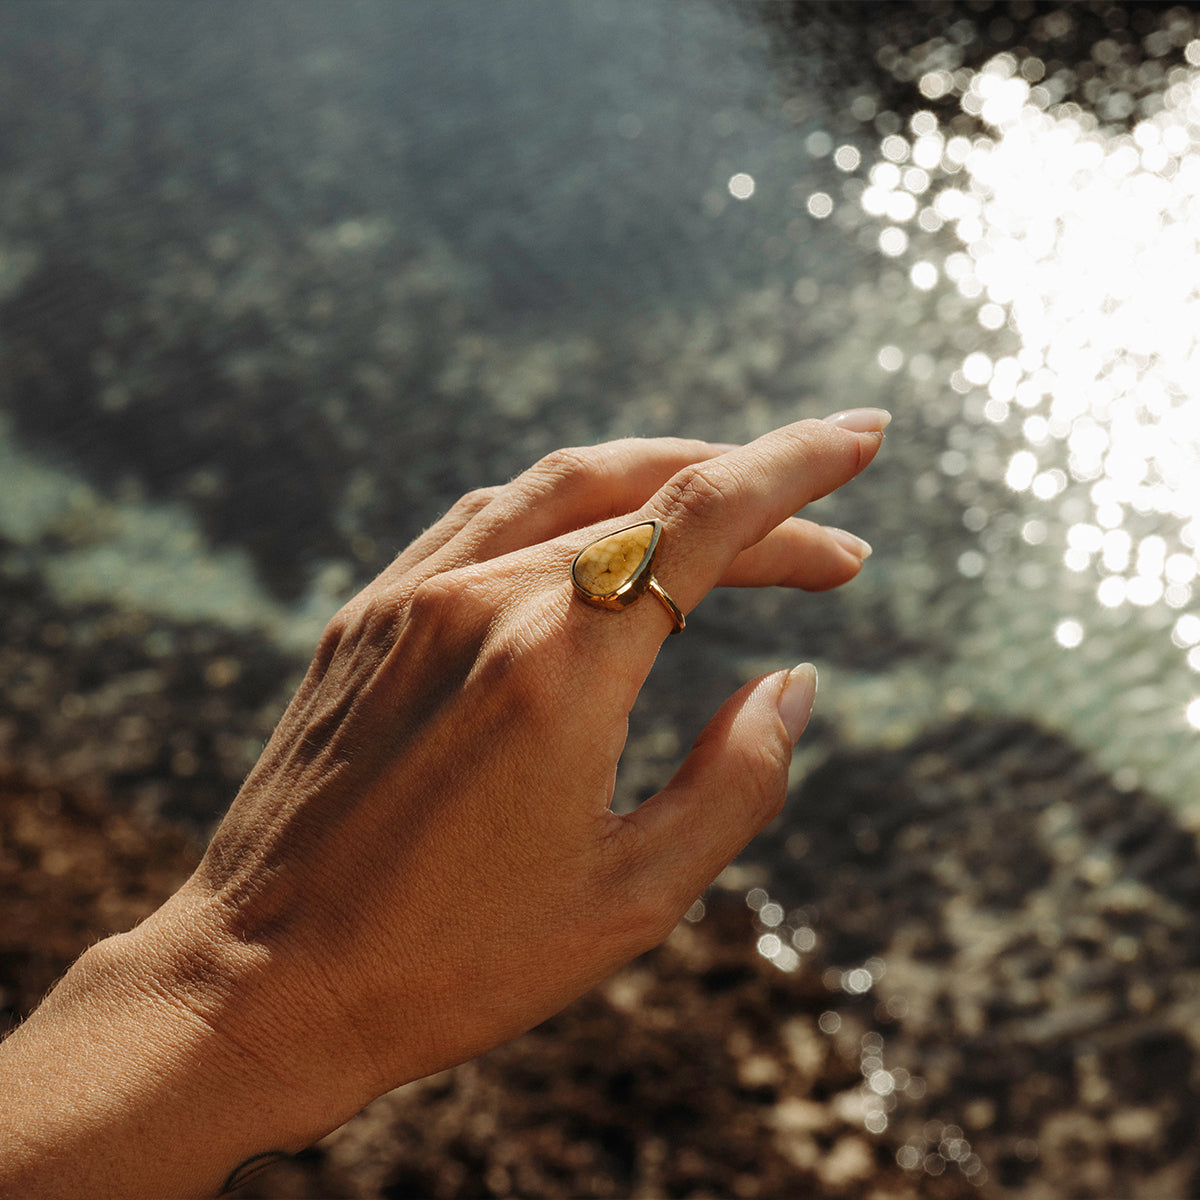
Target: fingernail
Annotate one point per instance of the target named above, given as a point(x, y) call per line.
point(850, 541)
point(796, 699)
point(861, 420)
point(724, 447)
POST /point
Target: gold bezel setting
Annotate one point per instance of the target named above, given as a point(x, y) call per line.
point(640, 581)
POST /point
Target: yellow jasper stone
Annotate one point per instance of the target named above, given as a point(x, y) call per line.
point(612, 563)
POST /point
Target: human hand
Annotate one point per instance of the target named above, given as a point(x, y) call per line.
point(426, 850)
point(424, 862)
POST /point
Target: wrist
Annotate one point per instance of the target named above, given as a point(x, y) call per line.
point(160, 1030)
point(244, 1011)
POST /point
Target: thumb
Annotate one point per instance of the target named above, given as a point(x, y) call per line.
point(729, 787)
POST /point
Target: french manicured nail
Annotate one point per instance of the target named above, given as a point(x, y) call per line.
point(861, 420)
point(849, 541)
point(796, 699)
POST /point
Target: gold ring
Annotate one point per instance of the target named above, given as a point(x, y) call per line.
point(615, 570)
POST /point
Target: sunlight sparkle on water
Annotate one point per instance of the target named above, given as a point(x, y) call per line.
point(1084, 243)
point(741, 186)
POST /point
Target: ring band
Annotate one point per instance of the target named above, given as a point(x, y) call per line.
point(669, 604)
point(615, 570)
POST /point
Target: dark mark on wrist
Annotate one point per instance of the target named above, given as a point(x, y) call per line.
point(250, 1168)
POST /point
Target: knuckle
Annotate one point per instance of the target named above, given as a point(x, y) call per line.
point(474, 502)
point(332, 638)
point(379, 618)
point(437, 602)
point(513, 665)
point(456, 615)
point(700, 489)
point(369, 620)
point(572, 466)
point(504, 671)
point(334, 632)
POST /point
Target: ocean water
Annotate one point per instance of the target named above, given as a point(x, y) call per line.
point(279, 285)
point(279, 282)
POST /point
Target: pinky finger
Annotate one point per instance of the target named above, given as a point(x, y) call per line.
point(442, 531)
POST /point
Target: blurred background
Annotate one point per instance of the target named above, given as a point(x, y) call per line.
point(278, 282)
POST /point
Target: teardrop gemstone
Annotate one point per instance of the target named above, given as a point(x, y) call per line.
point(614, 563)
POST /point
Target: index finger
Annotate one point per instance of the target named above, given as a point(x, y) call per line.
point(713, 510)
